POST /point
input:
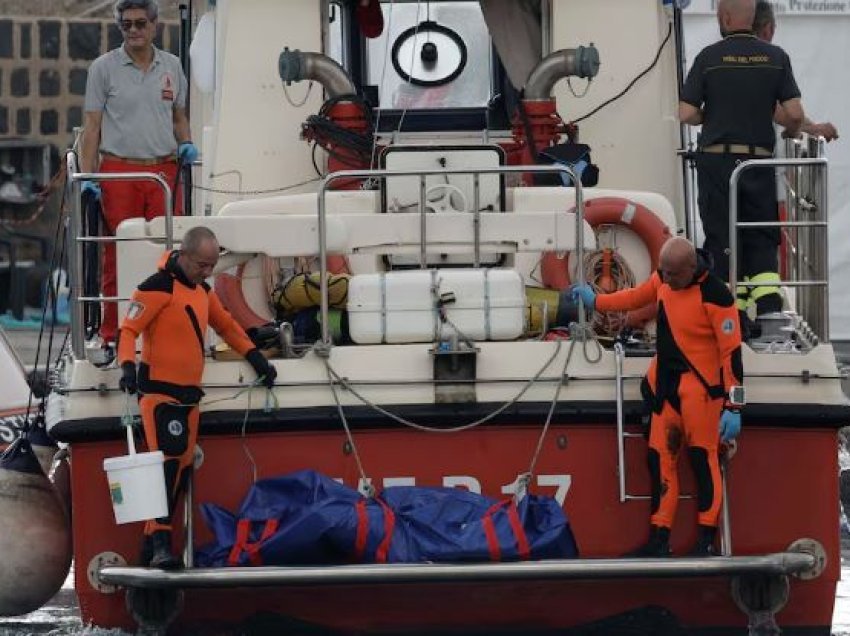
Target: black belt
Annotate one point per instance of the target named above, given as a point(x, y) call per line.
point(737, 149)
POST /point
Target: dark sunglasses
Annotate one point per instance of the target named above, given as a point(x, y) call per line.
point(140, 24)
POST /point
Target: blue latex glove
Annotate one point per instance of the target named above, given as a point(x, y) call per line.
point(187, 152)
point(586, 294)
point(730, 425)
point(92, 188)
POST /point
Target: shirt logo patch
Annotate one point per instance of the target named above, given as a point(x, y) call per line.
point(135, 310)
point(728, 326)
point(167, 87)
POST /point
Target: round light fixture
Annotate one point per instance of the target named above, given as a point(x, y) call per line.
point(429, 54)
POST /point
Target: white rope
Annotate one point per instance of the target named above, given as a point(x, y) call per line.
point(250, 192)
point(528, 475)
point(367, 486)
point(525, 479)
point(245, 448)
point(271, 401)
point(334, 378)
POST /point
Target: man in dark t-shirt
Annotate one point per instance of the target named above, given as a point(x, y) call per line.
point(732, 90)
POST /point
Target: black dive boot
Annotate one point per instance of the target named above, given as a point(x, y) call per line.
point(658, 544)
point(146, 553)
point(704, 547)
point(162, 557)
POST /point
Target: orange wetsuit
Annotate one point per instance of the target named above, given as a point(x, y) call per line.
point(698, 360)
point(172, 315)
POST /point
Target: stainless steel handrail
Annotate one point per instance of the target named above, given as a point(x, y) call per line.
point(620, 355)
point(735, 225)
point(780, 563)
point(138, 176)
point(189, 521)
point(423, 174)
point(75, 260)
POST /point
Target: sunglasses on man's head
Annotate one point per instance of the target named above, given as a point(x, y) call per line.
point(140, 24)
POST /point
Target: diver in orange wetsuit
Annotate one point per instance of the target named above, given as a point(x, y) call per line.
point(171, 311)
point(696, 369)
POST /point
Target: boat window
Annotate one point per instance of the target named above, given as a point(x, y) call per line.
point(431, 55)
point(336, 33)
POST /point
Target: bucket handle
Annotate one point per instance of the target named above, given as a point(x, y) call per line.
point(127, 422)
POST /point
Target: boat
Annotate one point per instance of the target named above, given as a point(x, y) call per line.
point(431, 166)
point(15, 404)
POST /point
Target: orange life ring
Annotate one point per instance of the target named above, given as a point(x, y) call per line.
point(614, 211)
point(228, 287)
point(229, 290)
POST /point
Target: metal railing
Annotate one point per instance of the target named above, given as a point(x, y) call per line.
point(354, 175)
point(811, 258)
point(802, 255)
point(75, 228)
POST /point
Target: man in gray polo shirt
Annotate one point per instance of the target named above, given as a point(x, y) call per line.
point(135, 120)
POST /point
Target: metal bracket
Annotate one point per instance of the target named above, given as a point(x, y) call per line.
point(813, 547)
point(454, 374)
point(93, 571)
point(154, 609)
point(760, 597)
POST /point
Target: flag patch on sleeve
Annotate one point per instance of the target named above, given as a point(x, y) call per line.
point(135, 310)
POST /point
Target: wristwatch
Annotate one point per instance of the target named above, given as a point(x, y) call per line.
point(737, 396)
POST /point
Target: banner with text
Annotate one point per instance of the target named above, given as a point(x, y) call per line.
point(782, 7)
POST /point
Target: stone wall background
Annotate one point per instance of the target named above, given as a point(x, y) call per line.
point(43, 67)
point(75, 8)
point(46, 47)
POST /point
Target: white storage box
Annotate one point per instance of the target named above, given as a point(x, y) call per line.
point(489, 304)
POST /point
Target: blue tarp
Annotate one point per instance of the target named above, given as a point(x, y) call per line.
point(306, 518)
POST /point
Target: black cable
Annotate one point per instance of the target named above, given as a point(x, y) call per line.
point(53, 288)
point(633, 82)
point(177, 175)
point(313, 157)
point(58, 250)
point(529, 131)
point(329, 135)
point(91, 265)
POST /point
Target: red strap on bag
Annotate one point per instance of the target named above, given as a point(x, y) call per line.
point(382, 552)
point(389, 525)
point(490, 534)
point(523, 549)
point(242, 543)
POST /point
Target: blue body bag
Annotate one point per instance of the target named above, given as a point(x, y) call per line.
point(306, 518)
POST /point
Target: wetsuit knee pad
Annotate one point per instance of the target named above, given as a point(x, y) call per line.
point(653, 462)
point(702, 472)
point(172, 428)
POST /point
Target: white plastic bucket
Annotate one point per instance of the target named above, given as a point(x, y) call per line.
point(137, 486)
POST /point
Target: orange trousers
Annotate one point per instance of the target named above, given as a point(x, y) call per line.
point(171, 427)
point(695, 427)
point(124, 200)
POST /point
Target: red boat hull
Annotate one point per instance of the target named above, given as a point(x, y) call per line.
point(782, 486)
